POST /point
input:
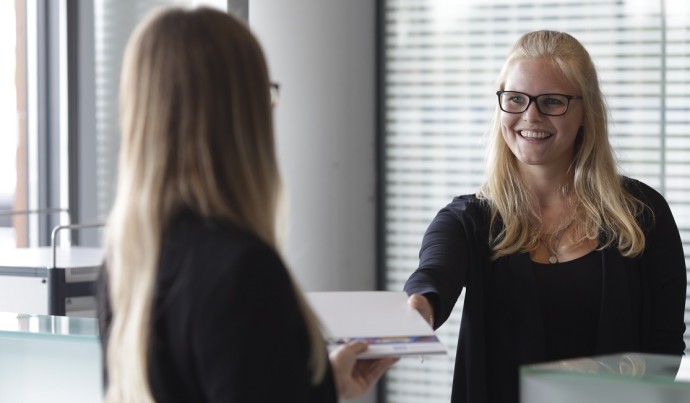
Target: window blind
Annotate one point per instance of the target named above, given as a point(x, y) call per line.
point(440, 66)
point(114, 21)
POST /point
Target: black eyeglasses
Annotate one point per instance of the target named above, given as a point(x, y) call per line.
point(275, 94)
point(547, 104)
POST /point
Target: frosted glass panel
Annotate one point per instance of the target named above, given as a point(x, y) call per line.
point(630, 378)
point(49, 359)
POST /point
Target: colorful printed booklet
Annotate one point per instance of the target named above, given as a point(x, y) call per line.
point(381, 318)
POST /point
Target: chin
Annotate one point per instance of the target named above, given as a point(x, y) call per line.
point(531, 161)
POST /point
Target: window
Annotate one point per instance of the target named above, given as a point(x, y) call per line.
point(114, 21)
point(12, 95)
point(441, 62)
point(33, 115)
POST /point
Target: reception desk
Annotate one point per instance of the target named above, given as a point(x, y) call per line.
point(48, 281)
point(49, 359)
point(629, 378)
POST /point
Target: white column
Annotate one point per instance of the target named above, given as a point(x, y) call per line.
point(322, 53)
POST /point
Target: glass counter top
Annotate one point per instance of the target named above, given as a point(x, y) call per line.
point(26, 325)
point(629, 377)
point(634, 366)
point(49, 359)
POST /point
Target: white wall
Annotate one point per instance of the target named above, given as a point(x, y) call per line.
point(322, 52)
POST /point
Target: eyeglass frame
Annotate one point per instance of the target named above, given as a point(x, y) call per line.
point(534, 99)
point(274, 92)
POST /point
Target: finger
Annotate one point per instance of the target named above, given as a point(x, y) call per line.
point(376, 369)
point(421, 304)
point(416, 301)
point(349, 351)
point(365, 367)
point(384, 364)
point(358, 347)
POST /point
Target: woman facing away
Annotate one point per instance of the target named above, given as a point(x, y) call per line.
point(196, 303)
point(559, 254)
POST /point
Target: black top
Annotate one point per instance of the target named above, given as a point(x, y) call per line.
point(226, 325)
point(569, 297)
point(642, 299)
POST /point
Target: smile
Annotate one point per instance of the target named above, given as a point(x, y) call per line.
point(529, 134)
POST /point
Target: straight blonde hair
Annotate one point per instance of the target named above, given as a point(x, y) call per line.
point(604, 209)
point(196, 135)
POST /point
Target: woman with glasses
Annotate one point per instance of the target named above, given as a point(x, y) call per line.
point(197, 305)
point(560, 256)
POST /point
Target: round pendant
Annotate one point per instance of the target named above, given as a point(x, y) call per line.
point(553, 259)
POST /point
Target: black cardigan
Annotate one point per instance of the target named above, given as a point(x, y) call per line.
point(226, 325)
point(642, 298)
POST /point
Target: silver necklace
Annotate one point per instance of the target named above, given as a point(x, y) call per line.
point(558, 235)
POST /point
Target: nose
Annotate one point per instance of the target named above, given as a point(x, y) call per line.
point(532, 113)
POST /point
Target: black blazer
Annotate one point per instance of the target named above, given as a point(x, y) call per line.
point(226, 325)
point(642, 299)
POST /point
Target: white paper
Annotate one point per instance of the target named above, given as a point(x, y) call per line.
point(381, 318)
point(683, 374)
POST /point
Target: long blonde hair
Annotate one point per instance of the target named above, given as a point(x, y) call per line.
point(196, 134)
point(604, 208)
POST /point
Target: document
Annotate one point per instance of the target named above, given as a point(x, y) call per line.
point(381, 318)
point(683, 374)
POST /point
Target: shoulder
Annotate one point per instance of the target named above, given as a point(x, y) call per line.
point(656, 213)
point(214, 238)
point(642, 191)
point(465, 216)
point(647, 195)
point(468, 209)
point(205, 254)
point(468, 204)
point(191, 229)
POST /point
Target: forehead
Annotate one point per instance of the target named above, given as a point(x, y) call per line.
point(537, 76)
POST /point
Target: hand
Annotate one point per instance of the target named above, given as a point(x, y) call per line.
point(422, 304)
point(354, 377)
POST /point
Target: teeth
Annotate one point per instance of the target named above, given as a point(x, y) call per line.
point(534, 135)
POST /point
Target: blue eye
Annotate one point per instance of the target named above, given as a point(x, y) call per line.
point(517, 99)
point(552, 101)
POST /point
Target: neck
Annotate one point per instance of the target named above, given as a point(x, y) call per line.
point(545, 183)
point(557, 213)
point(552, 241)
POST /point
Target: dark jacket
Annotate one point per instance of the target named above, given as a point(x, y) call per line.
point(642, 298)
point(226, 326)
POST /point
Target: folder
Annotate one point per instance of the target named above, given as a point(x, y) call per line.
point(381, 318)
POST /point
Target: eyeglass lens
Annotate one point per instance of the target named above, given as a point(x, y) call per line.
point(548, 104)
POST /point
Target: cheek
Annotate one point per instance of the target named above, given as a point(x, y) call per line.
point(578, 120)
point(571, 127)
point(507, 122)
point(507, 136)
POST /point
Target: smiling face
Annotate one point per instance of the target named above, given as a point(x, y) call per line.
point(536, 139)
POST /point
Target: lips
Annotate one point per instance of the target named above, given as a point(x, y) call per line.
point(533, 134)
